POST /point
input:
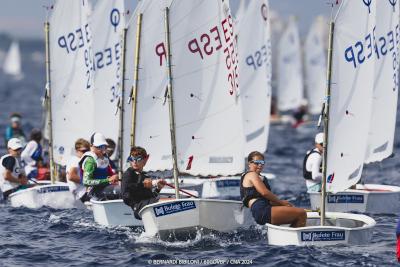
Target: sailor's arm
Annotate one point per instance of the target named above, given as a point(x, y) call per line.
point(315, 168)
point(263, 190)
point(9, 177)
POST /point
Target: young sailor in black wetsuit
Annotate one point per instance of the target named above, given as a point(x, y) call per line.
point(136, 186)
point(266, 207)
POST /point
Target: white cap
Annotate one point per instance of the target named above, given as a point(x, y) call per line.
point(14, 144)
point(303, 102)
point(319, 138)
point(15, 119)
point(98, 139)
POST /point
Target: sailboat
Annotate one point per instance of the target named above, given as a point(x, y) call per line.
point(315, 65)
point(254, 52)
point(346, 123)
point(12, 62)
point(289, 92)
point(203, 106)
point(68, 96)
point(151, 116)
point(369, 197)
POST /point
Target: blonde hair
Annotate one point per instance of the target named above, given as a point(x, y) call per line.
point(82, 143)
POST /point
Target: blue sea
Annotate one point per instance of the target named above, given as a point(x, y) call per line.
point(49, 237)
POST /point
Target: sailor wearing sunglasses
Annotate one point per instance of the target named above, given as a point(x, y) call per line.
point(96, 170)
point(265, 206)
point(137, 189)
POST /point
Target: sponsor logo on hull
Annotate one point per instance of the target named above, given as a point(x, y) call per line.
point(346, 199)
point(228, 183)
point(323, 236)
point(52, 189)
point(175, 207)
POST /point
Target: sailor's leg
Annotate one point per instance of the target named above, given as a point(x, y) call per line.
point(296, 217)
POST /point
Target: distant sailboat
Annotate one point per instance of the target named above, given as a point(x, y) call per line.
point(290, 73)
point(12, 63)
point(315, 65)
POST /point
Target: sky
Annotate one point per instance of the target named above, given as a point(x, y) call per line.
point(23, 19)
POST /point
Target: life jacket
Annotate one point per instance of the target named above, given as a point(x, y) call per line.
point(103, 168)
point(37, 154)
point(17, 171)
point(248, 193)
point(307, 174)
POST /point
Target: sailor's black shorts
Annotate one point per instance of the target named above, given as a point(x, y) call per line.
point(261, 211)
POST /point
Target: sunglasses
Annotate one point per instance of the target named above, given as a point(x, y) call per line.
point(83, 150)
point(102, 147)
point(258, 162)
point(135, 159)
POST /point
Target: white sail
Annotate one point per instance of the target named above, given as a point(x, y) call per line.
point(351, 93)
point(107, 23)
point(12, 62)
point(254, 46)
point(241, 11)
point(384, 103)
point(71, 68)
point(315, 65)
point(152, 119)
point(209, 133)
point(290, 74)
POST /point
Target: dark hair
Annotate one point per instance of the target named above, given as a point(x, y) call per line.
point(36, 135)
point(138, 151)
point(254, 154)
point(111, 143)
point(15, 115)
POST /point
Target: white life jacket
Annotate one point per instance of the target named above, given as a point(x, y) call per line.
point(6, 185)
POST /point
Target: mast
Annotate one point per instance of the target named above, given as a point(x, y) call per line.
point(171, 103)
point(133, 95)
point(48, 101)
point(326, 121)
point(121, 109)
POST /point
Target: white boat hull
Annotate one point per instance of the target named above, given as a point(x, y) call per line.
point(183, 218)
point(340, 228)
point(55, 196)
point(368, 198)
point(115, 213)
point(216, 188)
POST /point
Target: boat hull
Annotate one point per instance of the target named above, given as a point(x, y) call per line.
point(113, 213)
point(216, 188)
point(55, 196)
point(183, 218)
point(340, 228)
point(368, 198)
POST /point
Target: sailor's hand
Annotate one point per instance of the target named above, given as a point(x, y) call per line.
point(23, 180)
point(286, 203)
point(147, 183)
point(113, 179)
point(160, 183)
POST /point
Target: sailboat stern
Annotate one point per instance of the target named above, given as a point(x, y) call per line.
point(339, 228)
point(183, 219)
point(367, 198)
point(56, 196)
